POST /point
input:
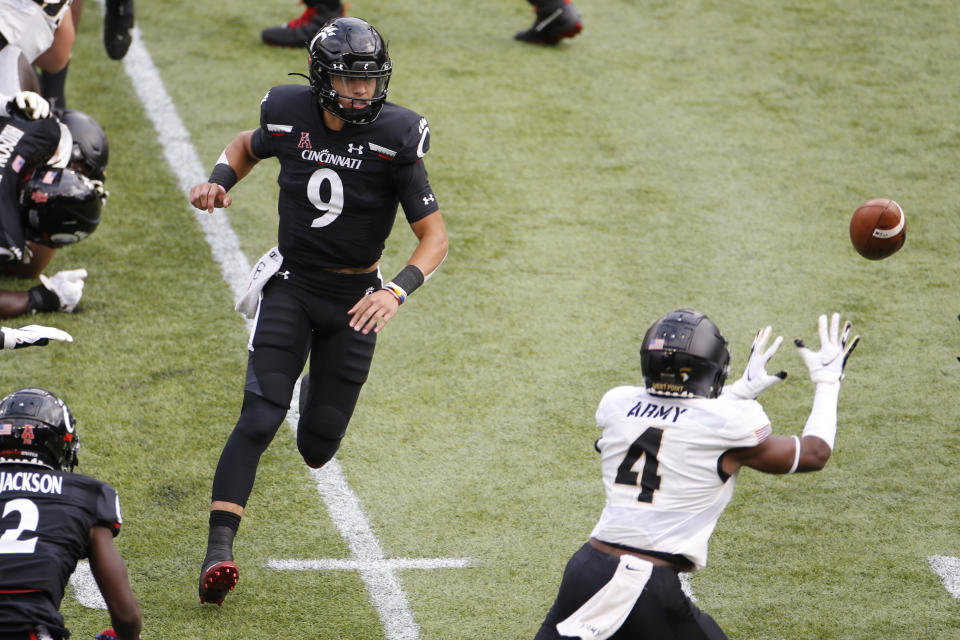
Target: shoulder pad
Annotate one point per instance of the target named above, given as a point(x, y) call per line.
point(400, 134)
point(284, 101)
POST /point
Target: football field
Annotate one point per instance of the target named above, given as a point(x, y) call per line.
point(706, 155)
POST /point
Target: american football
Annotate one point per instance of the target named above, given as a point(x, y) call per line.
point(878, 228)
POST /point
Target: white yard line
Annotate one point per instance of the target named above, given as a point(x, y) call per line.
point(378, 573)
point(948, 568)
point(85, 587)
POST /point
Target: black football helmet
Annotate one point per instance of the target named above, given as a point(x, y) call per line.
point(350, 48)
point(90, 150)
point(36, 427)
point(60, 206)
point(683, 354)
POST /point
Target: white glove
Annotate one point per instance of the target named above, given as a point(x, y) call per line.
point(32, 335)
point(755, 379)
point(30, 105)
point(68, 285)
point(826, 365)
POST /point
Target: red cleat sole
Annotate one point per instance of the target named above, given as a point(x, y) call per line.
point(217, 581)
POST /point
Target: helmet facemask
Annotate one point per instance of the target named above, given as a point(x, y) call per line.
point(355, 98)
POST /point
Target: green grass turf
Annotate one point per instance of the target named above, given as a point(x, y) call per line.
point(702, 154)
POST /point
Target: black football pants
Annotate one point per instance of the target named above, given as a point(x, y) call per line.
point(663, 611)
point(298, 317)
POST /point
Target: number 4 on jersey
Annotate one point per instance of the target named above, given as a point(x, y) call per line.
point(646, 446)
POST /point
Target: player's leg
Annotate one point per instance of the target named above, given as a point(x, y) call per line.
point(585, 574)
point(279, 349)
point(555, 20)
point(28, 80)
point(339, 365)
point(53, 84)
point(117, 27)
point(299, 31)
point(665, 611)
point(40, 257)
point(56, 57)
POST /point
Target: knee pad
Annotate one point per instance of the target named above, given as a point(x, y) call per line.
point(319, 434)
point(259, 420)
point(272, 373)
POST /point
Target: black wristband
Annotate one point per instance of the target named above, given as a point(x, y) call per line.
point(41, 299)
point(223, 175)
point(409, 278)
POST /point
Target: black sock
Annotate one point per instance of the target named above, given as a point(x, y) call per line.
point(223, 528)
point(53, 87)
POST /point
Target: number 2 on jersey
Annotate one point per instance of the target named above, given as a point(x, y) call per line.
point(10, 541)
point(332, 207)
point(648, 447)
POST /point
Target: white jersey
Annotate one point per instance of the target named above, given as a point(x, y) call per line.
point(661, 467)
point(26, 25)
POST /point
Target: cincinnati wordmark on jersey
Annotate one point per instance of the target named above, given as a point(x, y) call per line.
point(339, 190)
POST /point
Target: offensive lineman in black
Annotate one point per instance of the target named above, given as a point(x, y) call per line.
point(50, 519)
point(347, 159)
point(51, 195)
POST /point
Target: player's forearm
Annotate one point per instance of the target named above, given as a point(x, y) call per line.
point(240, 156)
point(822, 421)
point(234, 163)
point(127, 630)
point(432, 249)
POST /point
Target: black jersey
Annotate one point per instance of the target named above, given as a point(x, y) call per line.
point(44, 530)
point(24, 145)
point(339, 190)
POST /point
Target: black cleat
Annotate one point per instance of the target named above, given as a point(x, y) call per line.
point(117, 23)
point(300, 31)
point(217, 580)
point(556, 20)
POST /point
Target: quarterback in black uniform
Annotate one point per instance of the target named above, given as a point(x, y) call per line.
point(347, 159)
point(50, 519)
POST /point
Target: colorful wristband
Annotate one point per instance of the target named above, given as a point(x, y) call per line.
point(396, 290)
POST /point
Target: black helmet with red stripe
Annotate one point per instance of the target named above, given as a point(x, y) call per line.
point(60, 206)
point(37, 428)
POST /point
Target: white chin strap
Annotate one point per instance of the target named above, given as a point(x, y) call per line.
point(64, 149)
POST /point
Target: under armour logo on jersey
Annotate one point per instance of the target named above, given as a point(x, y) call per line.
point(304, 140)
point(355, 149)
point(284, 274)
point(428, 199)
